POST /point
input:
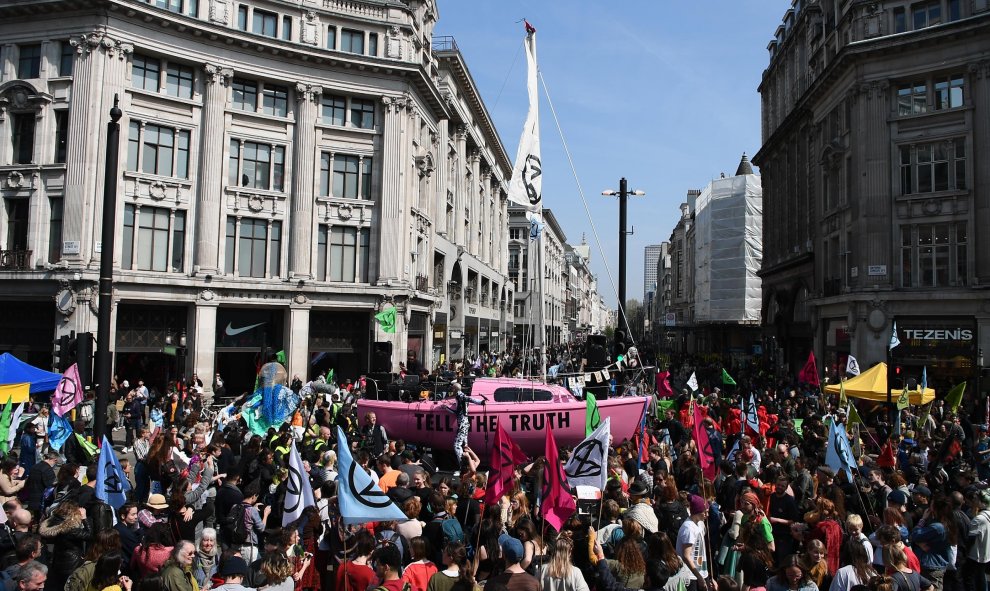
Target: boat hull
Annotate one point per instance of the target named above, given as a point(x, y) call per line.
point(433, 424)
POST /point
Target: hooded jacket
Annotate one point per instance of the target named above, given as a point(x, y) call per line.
point(69, 537)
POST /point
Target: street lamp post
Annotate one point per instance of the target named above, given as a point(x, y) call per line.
point(104, 363)
point(622, 194)
point(180, 352)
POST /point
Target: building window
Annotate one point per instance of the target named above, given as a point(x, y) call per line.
point(927, 14)
point(900, 20)
point(912, 98)
point(264, 23)
point(154, 149)
point(242, 17)
point(949, 92)
point(362, 113)
point(247, 242)
point(331, 37)
point(179, 81)
point(66, 58)
point(245, 97)
point(352, 41)
point(515, 233)
point(286, 28)
point(934, 255)
point(351, 176)
point(259, 166)
point(22, 137)
point(334, 109)
point(29, 61)
point(145, 73)
point(938, 166)
point(61, 135)
point(343, 253)
point(55, 230)
point(954, 10)
point(944, 92)
point(275, 101)
point(186, 7)
point(156, 236)
point(372, 43)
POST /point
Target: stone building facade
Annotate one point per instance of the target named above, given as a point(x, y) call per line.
point(287, 170)
point(876, 130)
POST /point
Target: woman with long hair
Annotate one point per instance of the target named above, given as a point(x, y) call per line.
point(106, 574)
point(488, 552)
point(518, 508)
point(278, 571)
point(813, 561)
point(904, 577)
point(629, 567)
point(791, 576)
point(824, 525)
point(104, 542)
point(534, 550)
point(935, 537)
point(153, 551)
point(11, 482)
point(421, 569)
point(67, 530)
point(859, 571)
point(893, 517)
point(671, 512)
point(355, 574)
point(456, 575)
point(560, 574)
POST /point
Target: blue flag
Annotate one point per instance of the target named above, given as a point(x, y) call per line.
point(358, 495)
point(924, 380)
point(839, 455)
point(59, 431)
point(111, 482)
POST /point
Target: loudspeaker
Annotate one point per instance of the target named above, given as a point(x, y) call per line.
point(595, 351)
point(381, 357)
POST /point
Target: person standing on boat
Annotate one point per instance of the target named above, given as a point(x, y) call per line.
point(461, 410)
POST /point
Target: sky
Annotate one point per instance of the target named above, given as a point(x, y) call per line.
point(662, 92)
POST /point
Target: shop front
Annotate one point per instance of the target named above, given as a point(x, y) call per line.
point(416, 341)
point(946, 346)
point(340, 341)
point(471, 337)
point(483, 335)
point(837, 348)
point(147, 344)
point(440, 338)
point(245, 339)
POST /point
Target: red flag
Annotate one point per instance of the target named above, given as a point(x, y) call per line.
point(809, 375)
point(705, 456)
point(887, 459)
point(530, 29)
point(558, 504)
point(663, 386)
point(506, 455)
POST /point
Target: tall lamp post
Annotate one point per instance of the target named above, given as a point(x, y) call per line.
point(622, 194)
point(180, 352)
point(104, 363)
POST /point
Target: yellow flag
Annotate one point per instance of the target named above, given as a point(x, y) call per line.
point(903, 402)
point(842, 393)
point(853, 416)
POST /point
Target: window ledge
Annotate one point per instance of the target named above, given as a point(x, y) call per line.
point(267, 193)
point(950, 193)
point(165, 180)
point(166, 97)
point(350, 128)
point(262, 116)
point(931, 114)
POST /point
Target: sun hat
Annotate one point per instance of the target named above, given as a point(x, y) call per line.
point(157, 501)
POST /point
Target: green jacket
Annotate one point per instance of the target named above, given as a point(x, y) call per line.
point(175, 578)
point(81, 578)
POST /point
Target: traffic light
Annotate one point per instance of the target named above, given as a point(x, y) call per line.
point(62, 353)
point(84, 357)
point(897, 383)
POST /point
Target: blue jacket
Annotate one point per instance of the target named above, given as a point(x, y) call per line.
point(29, 451)
point(934, 536)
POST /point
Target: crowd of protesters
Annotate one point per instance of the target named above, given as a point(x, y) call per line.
point(776, 517)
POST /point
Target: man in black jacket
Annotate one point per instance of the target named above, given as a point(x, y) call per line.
point(40, 479)
point(228, 495)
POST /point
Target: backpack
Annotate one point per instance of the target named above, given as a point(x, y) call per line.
point(233, 526)
point(452, 531)
point(101, 516)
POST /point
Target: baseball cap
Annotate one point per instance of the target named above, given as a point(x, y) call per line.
point(922, 490)
point(897, 497)
point(512, 549)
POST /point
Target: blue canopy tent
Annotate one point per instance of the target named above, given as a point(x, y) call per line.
point(15, 371)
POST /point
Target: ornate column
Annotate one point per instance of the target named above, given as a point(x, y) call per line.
point(303, 181)
point(979, 81)
point(204, 341)
point(473, 195)
point(93, 80)
point(876, 200)
point(459, 184)
point(297, 337)
point(209, 187)
point(391, 231)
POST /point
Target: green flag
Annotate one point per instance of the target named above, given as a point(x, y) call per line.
point(591, 416)
point(89, 447)
point(842, 393)
point(798, 428)
point(853, 416)
point(330, 376)
point(5, 426)
point(904, 401)
point(280, 357)
point(954, 398)
point(727, 379)
point(386, 319)
point(923, 417)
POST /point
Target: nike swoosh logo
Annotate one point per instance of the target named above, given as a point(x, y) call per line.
point(230, 331)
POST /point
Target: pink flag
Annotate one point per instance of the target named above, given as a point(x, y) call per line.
point(706, 458)
point(558, 504)
point(506, 455)
point(809, 375)
point(663, 386)
point(69, 391)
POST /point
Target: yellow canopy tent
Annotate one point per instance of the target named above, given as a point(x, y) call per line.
point(14, 393)
point(872, 385)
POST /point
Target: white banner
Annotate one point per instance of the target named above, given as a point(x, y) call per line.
point(693, 382)
point(588, 461)
point(526, 186)
point(298, 491)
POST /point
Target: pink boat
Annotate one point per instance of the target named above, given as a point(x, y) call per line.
point(523, 407)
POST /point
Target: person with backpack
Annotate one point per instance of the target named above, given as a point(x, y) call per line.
point(40, 479)
point(443, 528)
point(245, 521)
